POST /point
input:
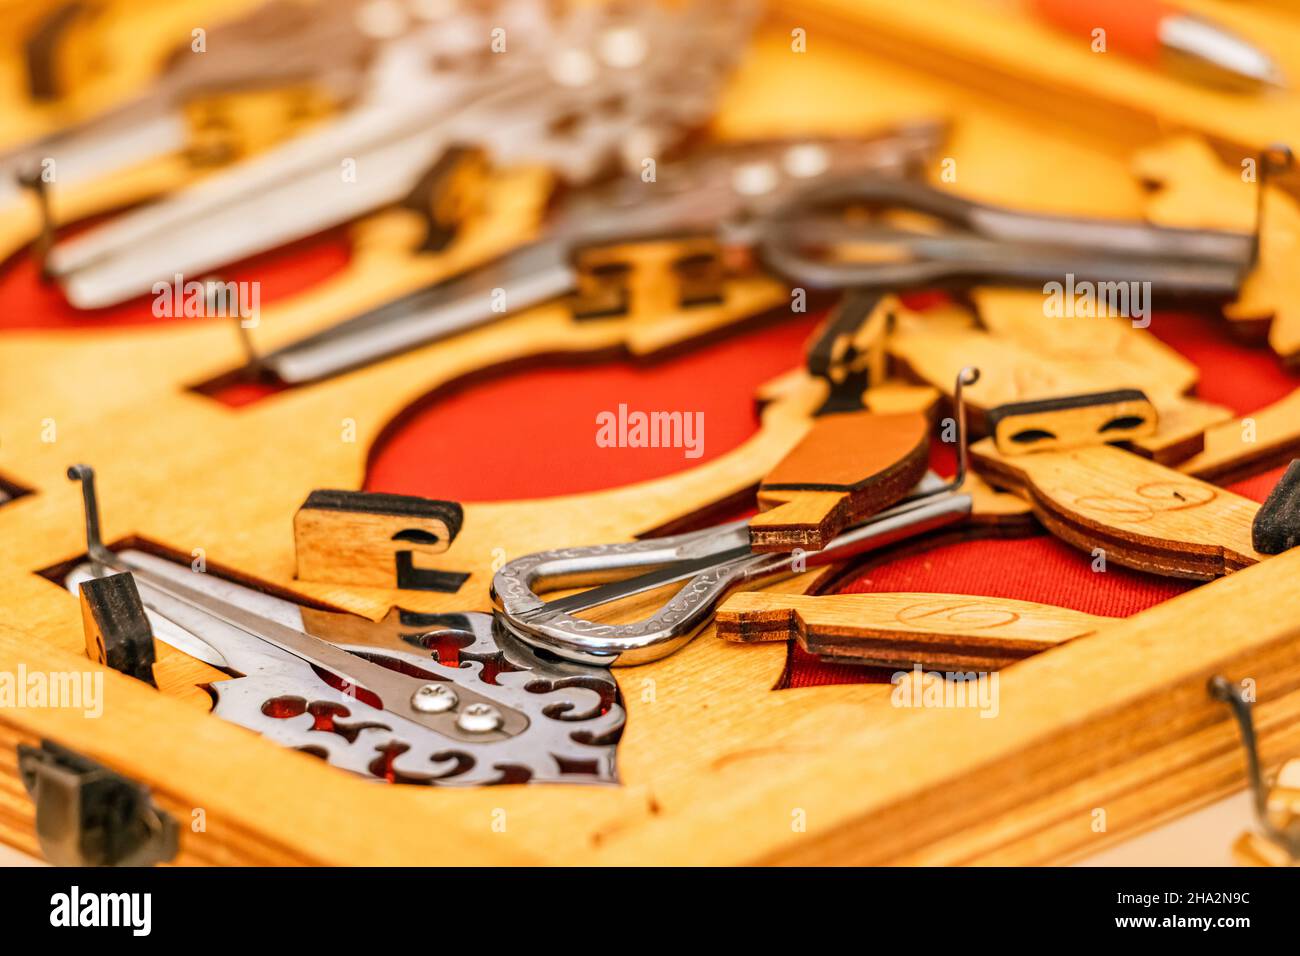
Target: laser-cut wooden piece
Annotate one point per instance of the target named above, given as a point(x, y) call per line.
point(1141, 514)
point(1012, 372)
point(849, 466)
point(1075, 421)
point(375, 540)
point(940, 631)
point(1081, 341)
point(1197, 189)
point(1250, 444)
point(848, 350)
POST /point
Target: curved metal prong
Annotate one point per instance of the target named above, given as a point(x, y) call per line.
point(966, 377)
point(95, 547)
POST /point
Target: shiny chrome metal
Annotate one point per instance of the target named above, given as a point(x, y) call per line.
point(977, 242)
point(649, 74)
point(712, 562)
point(277, 42)
point(713, 192)
point(1213, 54)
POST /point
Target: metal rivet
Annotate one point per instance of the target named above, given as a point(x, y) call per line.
point(479, 719)
point(434, 699)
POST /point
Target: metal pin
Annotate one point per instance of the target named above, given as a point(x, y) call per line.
point(966, 377)
point(1224, 690)
point(34, 182)
point(1273, 159)
point(252, 360)
point(95, 549)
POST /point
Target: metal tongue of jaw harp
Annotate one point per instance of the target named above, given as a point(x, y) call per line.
point(711, 562)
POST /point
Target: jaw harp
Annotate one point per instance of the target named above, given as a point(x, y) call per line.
point(711, 562)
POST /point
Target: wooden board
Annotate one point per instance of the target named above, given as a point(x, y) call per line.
point(374, 540)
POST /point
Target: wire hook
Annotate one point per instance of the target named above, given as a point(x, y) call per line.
point(1222, 689)
point(95, 548)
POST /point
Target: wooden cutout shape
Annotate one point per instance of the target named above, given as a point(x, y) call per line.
point(848, 349)
point(1139, 513)
point(1075, 421)
point(117, 631)
point(700, 278)
point(943, 631)
point(1081, 341)
point(1012, 372)
point(1248, 445)
point(374, 540)
point(647, 277)
point(1199, 191)
point(848, 467)
point(991, 507)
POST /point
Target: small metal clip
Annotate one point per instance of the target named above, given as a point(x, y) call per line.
point(116, 627)
point(87, 815)
point(1224, 690)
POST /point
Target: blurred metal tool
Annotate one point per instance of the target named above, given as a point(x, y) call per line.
point(711, 562)
point(578, 90)
point(284, 42)
point(1165, 35)
point(899, 234)
point(724, 191)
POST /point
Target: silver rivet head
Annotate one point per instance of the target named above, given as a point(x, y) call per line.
point(434, 699)
point(479, 719)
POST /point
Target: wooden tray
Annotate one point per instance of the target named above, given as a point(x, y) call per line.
point(715, 766)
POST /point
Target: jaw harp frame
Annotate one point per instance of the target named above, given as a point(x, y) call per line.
point(711, 562)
